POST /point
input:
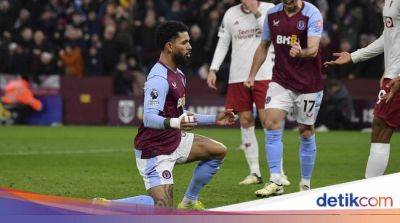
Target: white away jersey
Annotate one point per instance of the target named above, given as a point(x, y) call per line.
point(244, 30)
point(389, 42)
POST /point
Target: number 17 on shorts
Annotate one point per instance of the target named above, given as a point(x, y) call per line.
point(307, 107)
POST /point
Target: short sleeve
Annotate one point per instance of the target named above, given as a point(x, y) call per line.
point(156, 90)
point(315, 24)
point(266, 32)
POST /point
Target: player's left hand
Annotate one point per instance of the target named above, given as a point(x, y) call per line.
point(226, 117)
point(394, 86)
point(295, 51)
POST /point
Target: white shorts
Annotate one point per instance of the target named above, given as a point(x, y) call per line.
point(157, 171)
point(304, 107)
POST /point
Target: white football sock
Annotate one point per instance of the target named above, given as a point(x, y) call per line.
point(377, 160)
point(276, 178)
point(250, 145)
point(305, 182)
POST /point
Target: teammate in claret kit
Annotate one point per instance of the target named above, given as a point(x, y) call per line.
point(294, 27)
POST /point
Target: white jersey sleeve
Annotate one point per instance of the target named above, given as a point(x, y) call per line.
point(224, 41)
point(372, 50)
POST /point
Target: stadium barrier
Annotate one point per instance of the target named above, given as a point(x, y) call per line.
point(85, 99)
point(90, 100)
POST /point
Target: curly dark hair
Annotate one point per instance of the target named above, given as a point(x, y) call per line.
point(167, 31)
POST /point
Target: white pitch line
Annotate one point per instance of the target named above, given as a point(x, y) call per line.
point(27, 153)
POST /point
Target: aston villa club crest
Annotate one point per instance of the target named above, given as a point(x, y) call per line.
point(166, 174)
point(268, 100)
point(126, 111)
point(301, 25)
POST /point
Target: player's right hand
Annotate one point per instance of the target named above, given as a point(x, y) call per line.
point(249, 83)
point(188, 121)
point(394, 86)
point(212, 79)
point(343, 58)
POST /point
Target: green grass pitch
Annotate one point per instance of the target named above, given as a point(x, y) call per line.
point(88, 162)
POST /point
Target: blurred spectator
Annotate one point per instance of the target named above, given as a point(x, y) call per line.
point(125, 36)
point(23, 21)
point(129, 77)
point(111, 50)
point(20, 57)
point(211, 28)
point(148, 50)
point(176, 10)
point(40, 43)
point(45, 65)
point(198, 53)
point(6, 16)
point(128, 26)
point(93, 57)
point(138, 77)
point(72, 58)
point(336, 109)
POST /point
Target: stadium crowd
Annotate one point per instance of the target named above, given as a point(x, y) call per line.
point(115, 37)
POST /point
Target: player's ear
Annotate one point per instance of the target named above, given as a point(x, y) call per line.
point(169, 47)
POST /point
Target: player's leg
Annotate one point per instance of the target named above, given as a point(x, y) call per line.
point(210, 153)
point(307, 154)
point(157, 177)
point(239, 99)
point(259, 96)
point(250, 147)
point(386, 119)
point(162, 195)
point(306, 112)
point(380, 148)
point(278, 103)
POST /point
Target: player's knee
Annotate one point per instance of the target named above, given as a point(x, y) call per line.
point(219, 151)
point(246, 121)
point(162, 202)
point(306, 131)
point(381, 132)
point(272, 124)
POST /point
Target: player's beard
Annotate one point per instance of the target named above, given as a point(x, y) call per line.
point(181, 59)
point(292, 8)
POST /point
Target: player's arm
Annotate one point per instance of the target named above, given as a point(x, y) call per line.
point(309, 52)
point(156, 90)
point(372, 50)
point(314, 33)
point(261, 53)
point(202, 119)
point(221, 50)
point(155, 93)
point(226, 117)
point(259, 57)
